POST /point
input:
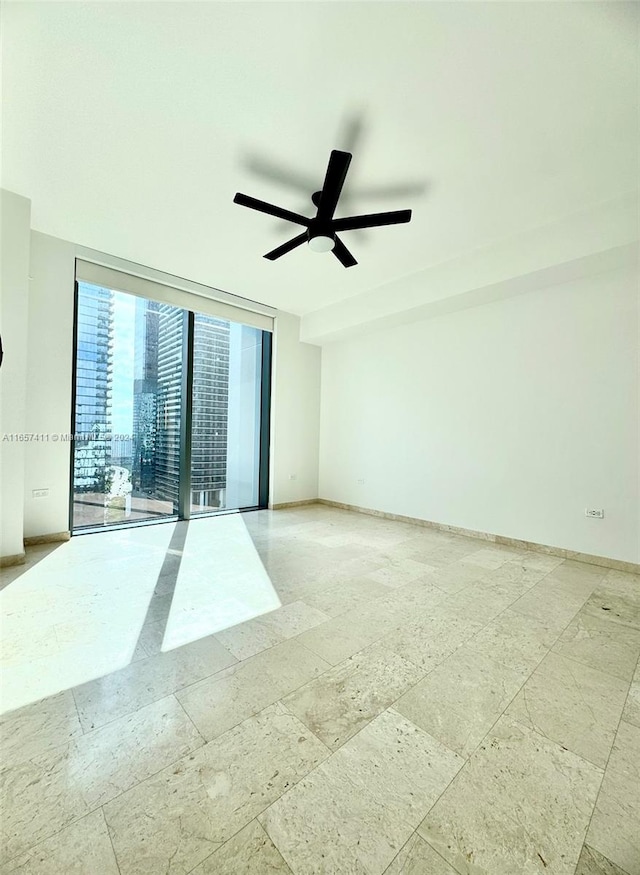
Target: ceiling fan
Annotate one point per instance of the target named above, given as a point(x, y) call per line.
point(321, 230)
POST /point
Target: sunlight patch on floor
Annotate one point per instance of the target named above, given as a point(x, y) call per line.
point(77, 614)
point(221, 582)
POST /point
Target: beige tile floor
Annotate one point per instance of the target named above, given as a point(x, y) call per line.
point(316, 691)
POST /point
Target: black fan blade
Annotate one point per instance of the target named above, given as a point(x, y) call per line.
point(333, 182)
point(263, 207)
point(371, 221)
point(286, 247)
point(343, 255)
point(282, 175)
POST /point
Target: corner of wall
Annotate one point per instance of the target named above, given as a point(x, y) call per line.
point(15, 218)
point(48, 383)
point(295, 414)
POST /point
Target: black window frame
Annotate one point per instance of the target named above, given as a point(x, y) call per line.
point(186, 409)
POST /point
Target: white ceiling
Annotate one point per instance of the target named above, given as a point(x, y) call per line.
point(132, 125)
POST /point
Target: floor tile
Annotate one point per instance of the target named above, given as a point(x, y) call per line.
point(625, 756)
point(459, 702)
point(176, 819)
point(249, 852)
point(579, 588)
point(37, 801)
point(519, 571)
point(410, 767)
point(416, 599)
point(457, 576)
point(490, 557)
point(356, 811)
point(34, 729)
point(159, 607)
point(625, 578)
point(516, 640)
point(18, 647)
point(430, 641)
point(151, 638)
point(344, 699)
point(298, 587)
point(382, 535)
point(125, 691)
point(592, 862)
point(616, 600)
point(477, 603)
point(397, 572)
point(439, 629)
point(347, 594)
point(224, 700)
point(548, 603)
point(615, 826)
point(419, 858)
point(506, 589)
point(247, 639)
point(631, 713)
point(290, 620)
point(422, 540)
point(604, 645)
point(81, 849)
point(341, 637)
point(445, 554)
point(110, 760)
point(44, 794)
point(574, 705)
point(579, 572)
point(542, 561)
point(494, 819)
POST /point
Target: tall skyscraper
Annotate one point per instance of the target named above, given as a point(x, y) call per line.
point(159, 333)
point(168, 376)
point(152, 458)
point(145, 391)
point(210, 412)
point(94, 372)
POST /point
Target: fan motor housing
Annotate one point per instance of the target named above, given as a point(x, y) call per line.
point(321, 242)
point(321, 231)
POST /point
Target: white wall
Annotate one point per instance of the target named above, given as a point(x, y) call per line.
point(295, 416)
point(508, 418)
point(15, 216)
point(49, 373)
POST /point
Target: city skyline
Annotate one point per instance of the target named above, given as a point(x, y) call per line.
point(129, 383)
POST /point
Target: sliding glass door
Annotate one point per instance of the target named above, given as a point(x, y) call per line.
point(170, 411)
point(225, 436)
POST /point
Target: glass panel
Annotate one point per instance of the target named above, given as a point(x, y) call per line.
point(127, 420)
point(225, 438)
point(128, 455)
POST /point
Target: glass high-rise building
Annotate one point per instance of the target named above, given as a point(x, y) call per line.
point(145, 391)
point(210, 412)
point(94, 372)
point(168, 378)
point(159, 332)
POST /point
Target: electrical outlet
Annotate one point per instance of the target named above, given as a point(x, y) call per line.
point(360, 482)
point(40, 493)
point(293, 476)
point(596, 513)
